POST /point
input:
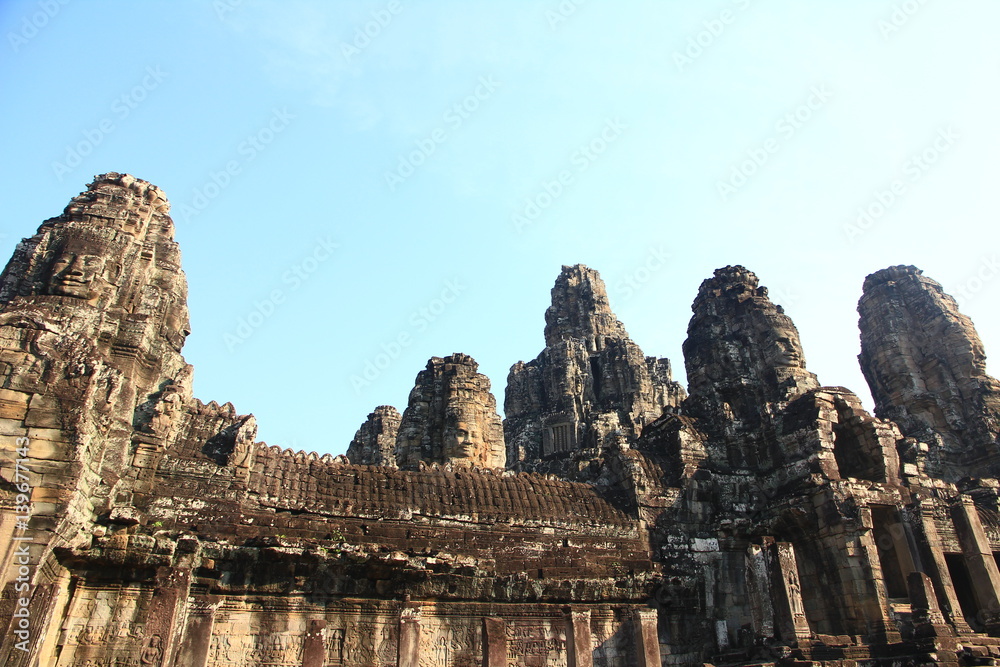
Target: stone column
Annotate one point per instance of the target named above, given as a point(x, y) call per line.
point(928, 621)
point(790, 615)
point(937, 568)
point(581, 650)
point(647, 639)
point(494, 642)
point(50, 639)
point(758, 582)
point(409, 636)
point(172, 587)
point(979, 560)
point(313, 648)
point(863, 581)
point(193, 649)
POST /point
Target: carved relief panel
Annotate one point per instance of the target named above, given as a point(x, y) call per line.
point(537, 642)
point(107, 627)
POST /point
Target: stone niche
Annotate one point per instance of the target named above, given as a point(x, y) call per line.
point(560, 435)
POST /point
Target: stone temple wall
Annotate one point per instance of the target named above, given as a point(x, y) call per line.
point(612, 520)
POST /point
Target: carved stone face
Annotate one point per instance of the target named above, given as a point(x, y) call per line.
point(75, 274)
point(785, 352)
point(462, 442)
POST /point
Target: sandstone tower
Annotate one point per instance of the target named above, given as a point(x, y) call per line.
point(927, 370)
point(451, 418)
point(375, 441)
point(590, 388)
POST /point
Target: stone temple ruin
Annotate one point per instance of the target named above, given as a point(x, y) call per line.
point(612, 520)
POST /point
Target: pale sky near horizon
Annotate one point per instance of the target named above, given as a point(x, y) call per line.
point(364, 185)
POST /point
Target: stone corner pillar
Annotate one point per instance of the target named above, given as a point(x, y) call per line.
point(979, 561)
point(757, 568)
point(937, 568)
point(790, 618)
point(165, 619)
point(928, 621)
point(409, 636)
point(647, 640)
point(313, 647)
point(197, 639)
point(872, 599)
point(581, 650)
point(494, 642)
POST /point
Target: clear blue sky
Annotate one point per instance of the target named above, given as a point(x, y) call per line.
point(370, 173)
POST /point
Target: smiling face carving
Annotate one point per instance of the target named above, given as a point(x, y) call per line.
point(76, 274)
point(462, 442)
point(785, 351)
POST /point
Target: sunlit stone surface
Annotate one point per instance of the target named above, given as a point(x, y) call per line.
point(612, 521)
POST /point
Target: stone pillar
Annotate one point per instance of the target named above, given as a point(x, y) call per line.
point(494, 642)
point(39, 610)
point(313, 648)
point(581, 650)
point(409, 636)
point(49, 643)
point(790, 615)
point(864, 582)
point(928, 621)
point(979, 560)
point(758, 582)
point(172, 587)
point(647, 639)
point(937, 568)
point(193, 649)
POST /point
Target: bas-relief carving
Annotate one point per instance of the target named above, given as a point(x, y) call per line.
point(451, 641)
point(536, 643)
point(238, 640)
point(369, 640)
point(231, 647)
point(105, 624)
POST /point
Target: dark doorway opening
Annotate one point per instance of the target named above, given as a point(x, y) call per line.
point(963, 588)
point(889, 539)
